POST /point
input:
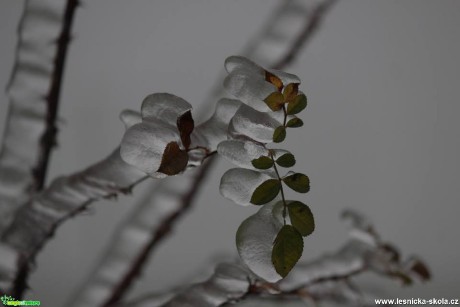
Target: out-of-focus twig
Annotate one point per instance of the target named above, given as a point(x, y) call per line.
point(34, 93)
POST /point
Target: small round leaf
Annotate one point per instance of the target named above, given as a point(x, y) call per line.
point(301, 218)
point(286, 160)
point(287, 250)
point(263, 162)
point(266, 192)
point(275, 101)
point(297, 105)
point(298, 182)
point(279, 134)
point(294, 123)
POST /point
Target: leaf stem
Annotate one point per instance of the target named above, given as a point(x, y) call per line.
point(285, 115)
point(281, 188)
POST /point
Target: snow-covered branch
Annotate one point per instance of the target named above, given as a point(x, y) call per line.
point(33, 91)
point(36, 221)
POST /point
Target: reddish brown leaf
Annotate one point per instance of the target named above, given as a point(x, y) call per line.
point(269, 77)
point(174, 160)
point(420, 268)
point(185, 124)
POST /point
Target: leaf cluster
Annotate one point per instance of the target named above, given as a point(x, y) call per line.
point(288, 244)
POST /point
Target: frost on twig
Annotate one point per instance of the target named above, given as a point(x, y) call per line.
point(276, 40)
point(33, 90)
point(328, 277)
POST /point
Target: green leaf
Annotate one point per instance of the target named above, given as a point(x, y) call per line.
point(279, 135)
point(275, 101)
point(287, 250)
point(301, 218)
point(262, 162)
point(294, 123)
point(286, 160)
point(297, 105)
point(290, 91)
point(298, 182)
point(266, 192)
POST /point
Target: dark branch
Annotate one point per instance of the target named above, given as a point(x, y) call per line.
point(48, 139)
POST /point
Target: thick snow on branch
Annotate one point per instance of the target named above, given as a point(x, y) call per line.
point(326, 278)
point(33, 92)
point(67, 196)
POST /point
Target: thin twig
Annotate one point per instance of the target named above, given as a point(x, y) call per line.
point(314, 21)
point(48, 139)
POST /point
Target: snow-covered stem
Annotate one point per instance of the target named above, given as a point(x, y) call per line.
point(36, 221)
point(326, 278)
point(275, 35)
point(34, 92)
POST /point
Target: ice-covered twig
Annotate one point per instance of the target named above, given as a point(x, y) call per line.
point(275, 39)
point(327, 278)
point(34, 91)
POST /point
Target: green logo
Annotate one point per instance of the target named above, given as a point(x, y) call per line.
point(10, 301)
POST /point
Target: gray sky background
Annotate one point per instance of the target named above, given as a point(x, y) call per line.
point(381, 131)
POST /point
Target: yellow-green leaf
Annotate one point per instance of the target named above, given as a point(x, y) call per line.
point(266, 192)
point(262, 162)
point(294, 123)
point(279, 134)
point(286, 160)
point(275, 101)
point(290, 91)
point(274, 80)
point(287, 250)
point(297, 105)
point(301, 218)
point(298, 182)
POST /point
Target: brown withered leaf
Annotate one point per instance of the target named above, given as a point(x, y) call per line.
point(269, 77)
point(420, 268)
point(174, 160)
point(185, 124)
